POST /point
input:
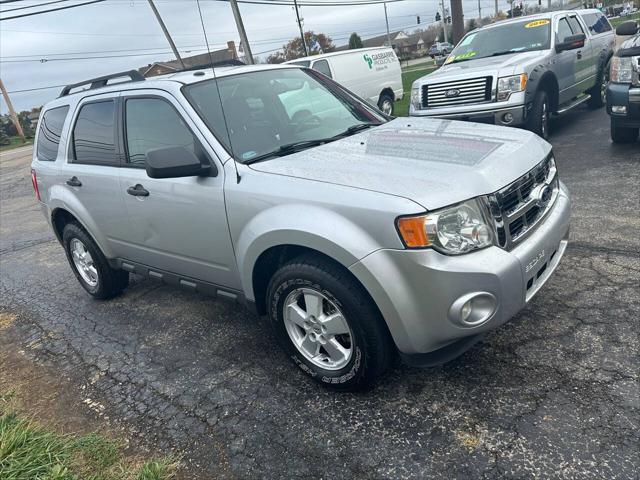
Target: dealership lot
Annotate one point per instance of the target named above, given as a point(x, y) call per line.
point(553, 393)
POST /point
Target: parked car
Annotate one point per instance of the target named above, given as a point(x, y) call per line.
point(372, 73)
point(359, 235)
point(623, 92)
point(521, 71)
point(440, 49)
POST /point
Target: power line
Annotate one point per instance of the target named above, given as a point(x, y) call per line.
point(34, 6)
point(50, 10)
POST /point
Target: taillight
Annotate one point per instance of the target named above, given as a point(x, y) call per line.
point(34, 181)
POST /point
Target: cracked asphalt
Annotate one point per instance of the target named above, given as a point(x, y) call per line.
point(552, 394)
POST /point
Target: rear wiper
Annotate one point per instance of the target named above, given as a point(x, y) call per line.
point(293, 147)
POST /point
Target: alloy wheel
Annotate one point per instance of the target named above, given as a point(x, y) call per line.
point(318, 329)
point(83, 262)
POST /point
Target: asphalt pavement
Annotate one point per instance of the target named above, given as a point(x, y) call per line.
point(552, 394)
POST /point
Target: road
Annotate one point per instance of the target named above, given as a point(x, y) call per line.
point(552, 394)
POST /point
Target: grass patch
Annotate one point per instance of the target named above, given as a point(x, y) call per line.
point(30, 451)
point(15, 143)
point(402, 106)
point(617, 21)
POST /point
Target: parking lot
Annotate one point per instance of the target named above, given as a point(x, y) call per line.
point(552, 394)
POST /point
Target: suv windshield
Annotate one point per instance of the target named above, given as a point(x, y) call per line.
point(277, 112)
point(509, 38)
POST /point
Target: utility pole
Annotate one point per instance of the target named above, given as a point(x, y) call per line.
point(497, 8)
point(444, 21)
point(479, 12)
point(304, 44)
point(248, 56)
point(386, 19)
point(12, 112)
point(166, 32)
point(457, 21)
point(549, 4)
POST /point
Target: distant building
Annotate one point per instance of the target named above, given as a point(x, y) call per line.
point(405, 45)
point(201, 60)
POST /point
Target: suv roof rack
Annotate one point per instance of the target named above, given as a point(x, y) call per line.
point(99, 82)
point(222, 63)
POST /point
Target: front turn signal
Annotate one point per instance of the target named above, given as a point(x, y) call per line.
point(413, 231)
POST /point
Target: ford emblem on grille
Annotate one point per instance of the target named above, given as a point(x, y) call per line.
point(454, 92)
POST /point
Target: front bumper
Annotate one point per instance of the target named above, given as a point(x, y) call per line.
point(416, 289)
point(511, 116)
point(625, 95)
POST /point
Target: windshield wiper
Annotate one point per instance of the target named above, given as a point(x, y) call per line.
point(505, 52)
point(294, 147)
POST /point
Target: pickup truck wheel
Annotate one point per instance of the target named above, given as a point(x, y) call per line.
point(385, 103)
point(328, 325)
point(623, 134)
point(538, 120)
point(90, 266)
point(599, 91)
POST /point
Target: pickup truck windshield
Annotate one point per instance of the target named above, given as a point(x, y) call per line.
point(278, 112)
point(509, 38)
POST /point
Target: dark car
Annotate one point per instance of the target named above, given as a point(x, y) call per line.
point(439, 49)
point(623, 90)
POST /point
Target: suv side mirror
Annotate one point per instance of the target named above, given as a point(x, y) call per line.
point(174, 162)
point(627, 28)
point(571, 42)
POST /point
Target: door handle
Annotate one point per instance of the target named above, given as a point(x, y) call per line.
point(74, 182)
point(579, 55)
point(138, 191)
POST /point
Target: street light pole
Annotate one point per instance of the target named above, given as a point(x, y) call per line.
point(444, 21)
point(243, 35)
point(166, 32)
point(386, 19)
point(304, 44)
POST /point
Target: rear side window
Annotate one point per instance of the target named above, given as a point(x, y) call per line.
point(50, 131)
point(152, 123)
point(322, 66)
point(94, 135)
point(597, 23)
point(575, 25)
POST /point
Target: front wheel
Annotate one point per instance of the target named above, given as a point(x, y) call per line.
point(328, 325)
point(623, 134)
point(385, 103)
point(538, 119)
point(599, 91)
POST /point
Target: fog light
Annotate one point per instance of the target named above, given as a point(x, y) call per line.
point(507, 118)
point(619, 109)
point(473, 309)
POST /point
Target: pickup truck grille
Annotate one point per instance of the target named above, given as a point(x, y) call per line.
point(459, 92)
point(519, 207)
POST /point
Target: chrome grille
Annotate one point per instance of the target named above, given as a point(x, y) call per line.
point(519, 207)
point(459, 92)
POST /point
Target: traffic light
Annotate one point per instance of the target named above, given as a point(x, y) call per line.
point(418, 18)
point(448, 19)
point(438, 17)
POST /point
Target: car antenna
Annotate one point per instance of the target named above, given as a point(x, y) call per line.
point(226, 126)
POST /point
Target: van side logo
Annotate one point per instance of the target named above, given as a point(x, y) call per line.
point(369, 60)
point(454, 92)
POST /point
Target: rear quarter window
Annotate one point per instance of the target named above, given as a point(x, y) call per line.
point(50, 132)
point(597, 23)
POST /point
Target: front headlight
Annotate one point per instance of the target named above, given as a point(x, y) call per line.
point(415, 96)
point(621, 70)
point(453, 230)
point(512, 84)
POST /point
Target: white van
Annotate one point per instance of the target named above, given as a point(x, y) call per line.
point(371, 73)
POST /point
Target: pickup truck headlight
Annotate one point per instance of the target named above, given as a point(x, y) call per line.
point(415, 96)
point(509, 85)
point(621, 70)
point(453, 230)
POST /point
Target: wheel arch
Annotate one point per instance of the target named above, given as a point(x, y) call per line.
point(62, 214)
point(547, 82)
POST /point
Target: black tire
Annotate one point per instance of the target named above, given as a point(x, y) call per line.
point(598, 92)
point(372, 348)
point(110, 282)
point(623, 134)
point(386, 99)
point(539, 115)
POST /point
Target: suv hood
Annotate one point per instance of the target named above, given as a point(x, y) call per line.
point(503, 64)
point(430, 161)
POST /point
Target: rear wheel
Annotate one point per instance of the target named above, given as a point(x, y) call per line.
point(623, 134)
point(89, 264)
point(538, 120)
point(599, 91)
point(385, 103)
point(327, 324)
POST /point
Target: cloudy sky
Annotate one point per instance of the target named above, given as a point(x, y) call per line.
point(58, 48)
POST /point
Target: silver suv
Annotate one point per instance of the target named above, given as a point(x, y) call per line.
point(360, 236)
point(519, 72)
